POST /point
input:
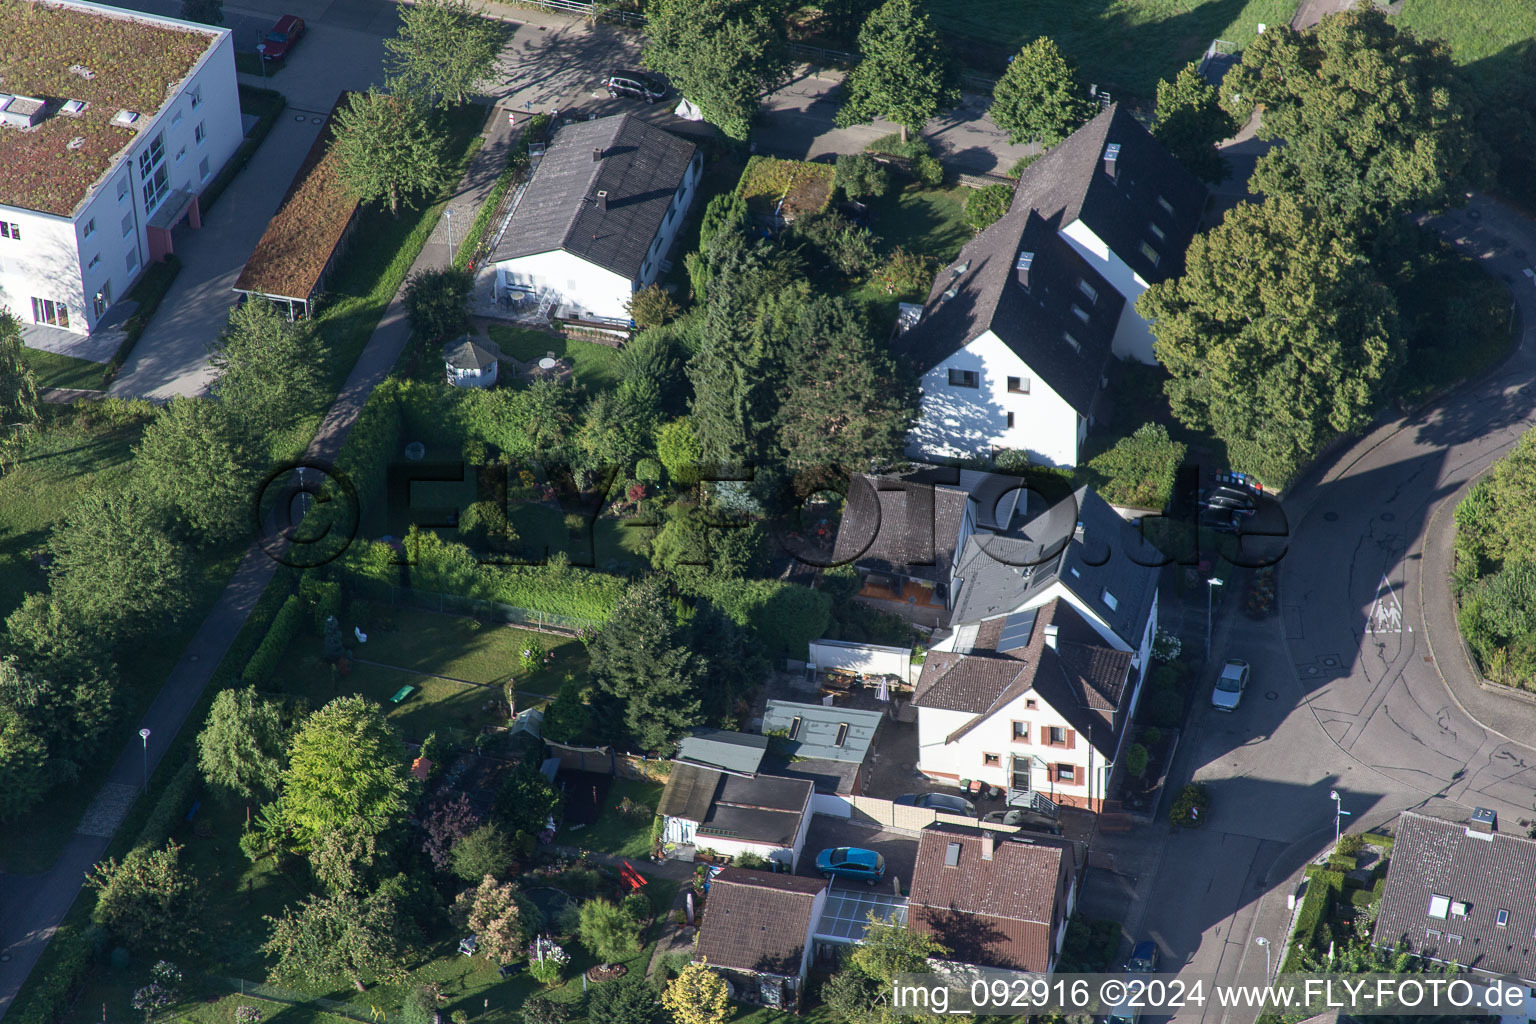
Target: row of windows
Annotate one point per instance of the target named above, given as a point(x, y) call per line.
point(1061, 772)
point(11, 231)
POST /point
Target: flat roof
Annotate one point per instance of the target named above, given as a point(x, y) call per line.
point(109, 58)
point(826, 733)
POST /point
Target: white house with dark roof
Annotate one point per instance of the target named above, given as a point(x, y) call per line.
point(1013, 341)
point(106, 142)
point(597, 218)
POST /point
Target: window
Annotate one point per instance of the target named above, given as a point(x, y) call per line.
point(89, 229)
point(1165, 204)
point(1080, 312)
point(1030, 703)
point(991, 760)
point(181, 154)
point(842, 734)
point(1157, 232)
point(1088, 290)
point(964, 379)
point(1077, 346)
point(46, 311)
point(197, 97)
point(952, 855)
point(202, 169)
point(1109, 600)
point(1502, 919)
point(102, 300)
point(176, 120)
point(1055, 736)
point(1021, 732)
point(200, 133)
point(1066, 773)
point(11, 231)
point(1150, 253)
point(133, 259)
point(1009, 420)
point(1439, 906)
point(94, 260)
point(794, 727)
point(127, 224)
point(1018, 385)
point(122, 188)
point(152, 172)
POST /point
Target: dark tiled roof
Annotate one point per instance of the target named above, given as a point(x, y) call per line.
point(999, 912)
point(467, 353)
point(722, 748)
point(641, 169)
point(901, 525)
point(1433, 857)
point(689, 792)
point(758, 921)
point(967, 682)
point(997, 574)
point(1032, 321)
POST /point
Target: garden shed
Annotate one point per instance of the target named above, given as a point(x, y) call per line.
point(704, 810)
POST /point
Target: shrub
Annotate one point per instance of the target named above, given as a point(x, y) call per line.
point(1190, 808)
point(1139, 470)
point(985, 206)
point(914, 147)
point(651, 307)
point(859, 175)
point(1136, 760)
point(928, 171)
point(486, 851)
point(627, 1000)
point(638, 906)
point(322, 597)
point(1165, 707)
point(540, 1009)
point(1022, 164)
point(1350, 845)
point(1342, 862)
point(751, 861)
point(608, 931)
point(437, 302)
point(74, 950)
point(270, 653)
point(905, 275)
point(1153, 735)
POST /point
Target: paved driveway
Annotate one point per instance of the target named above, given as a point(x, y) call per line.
point(898, 848)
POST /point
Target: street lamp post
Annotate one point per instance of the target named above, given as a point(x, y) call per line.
point(144, 735)
point(448, 213)
point(1261, 940)
point(1210, 585)
point(1338, 814)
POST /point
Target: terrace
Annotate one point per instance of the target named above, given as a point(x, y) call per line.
point(107, 60)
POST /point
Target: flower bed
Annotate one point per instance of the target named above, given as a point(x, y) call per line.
point(785, 188)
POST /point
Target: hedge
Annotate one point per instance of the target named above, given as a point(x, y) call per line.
point(172, 805)
point(783, 617)
point(372, 443)
point(469, 249)
point(270, 652)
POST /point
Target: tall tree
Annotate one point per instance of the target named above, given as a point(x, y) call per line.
point(1375, 122)
point(148, 900)
point(628, 1000)
point(1191, 122)
point(1277, 336)
point(196, 461)
point(345, 935)
point(903, 75)
point(267, 367)
point(494, 913)
point(643, 659)
point(442, 50)
point(18, 389)
point(1039, 98)
point(846, 404)
point(346, 772)
point(52, 712)
point(388, 149)
point(721, 54)
point(241, 746)
point(448, 820)
point(437, 302)
point(115, 571)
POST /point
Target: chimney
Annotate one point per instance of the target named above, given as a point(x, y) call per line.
point(1111, 157)
point(1484, 820)
point(602, 199)
point(597, 154)
point(988, 844)
point(1050, 636)
point(1021, 267)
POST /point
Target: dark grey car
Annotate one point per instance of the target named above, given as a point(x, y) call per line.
point(636, 84)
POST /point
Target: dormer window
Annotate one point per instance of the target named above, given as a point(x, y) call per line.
point(1150, 253)
point(1088, 290)
point(1157, 232)
point(1080, 312)
point(1166, 205)
point(962, 268)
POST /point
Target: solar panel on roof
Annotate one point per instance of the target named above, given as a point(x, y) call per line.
point(1017, 629)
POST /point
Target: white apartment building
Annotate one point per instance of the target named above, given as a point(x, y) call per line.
point(105, 144)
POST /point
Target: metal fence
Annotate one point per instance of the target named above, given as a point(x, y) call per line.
point(822, 54)
point(478, 607)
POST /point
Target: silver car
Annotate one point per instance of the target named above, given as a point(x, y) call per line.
point(1230, 686)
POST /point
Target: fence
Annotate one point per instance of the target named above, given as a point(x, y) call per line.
point(273, 994)
point(822, 54)
point(863, 659)
point(875, 811)
point(478, 607)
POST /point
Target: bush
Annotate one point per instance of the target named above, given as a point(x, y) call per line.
point(627, 1000)
point(1350, 845)
point(540, 1009)
point(1139, 470)
point(608, 931)
point(1153, 735)
point(985, 206)
point(891, 145)
point(1022, 164)
point(1191, 807)
point(485, 851)
point(437, 303)
point(651, 307)
point(73, 950)
point(638, 906)
point(322, 597)
point(928, 171)
point(859, 175)
point(1165, 707)
point(1136, 759)
point(905, 275)
point(270, 653)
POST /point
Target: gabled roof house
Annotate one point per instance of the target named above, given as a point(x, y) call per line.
point(757, 931)
point(1016, 334)
point(597, 218)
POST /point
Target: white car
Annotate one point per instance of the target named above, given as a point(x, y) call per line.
point(1230, 686)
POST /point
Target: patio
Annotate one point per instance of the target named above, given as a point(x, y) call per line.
point(97, 347)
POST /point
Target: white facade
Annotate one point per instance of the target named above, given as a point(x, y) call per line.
point(87, 261)
point(959, 420)
point(684, 832)
point(1133, 335)
point(570, 280)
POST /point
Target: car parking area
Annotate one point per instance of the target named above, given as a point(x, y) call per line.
point(898, 848)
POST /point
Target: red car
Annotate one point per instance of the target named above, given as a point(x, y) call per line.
point(282, 37)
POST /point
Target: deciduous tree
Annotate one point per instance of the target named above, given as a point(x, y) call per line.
point(344, 935)
point(698, 995)
point(388, 149)
point(18, 388)
point(437, 302)
point(197, 461)
point(148, 900)
point(495, 914)
point(448, 820)
point(1191, 122)
point(721, 54)
point(241, 746)
point(268, 367)
point(903, 75)
point(1039, 98)
point(442, 50)
point(1277, 336)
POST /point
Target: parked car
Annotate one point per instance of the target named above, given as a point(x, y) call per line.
point(939, 802)
point(1239, 501)
point(1023, 817)
point(1230, 686)
point(1143, 958)
point(637, 84)
point(287, 32)
point(852, 863)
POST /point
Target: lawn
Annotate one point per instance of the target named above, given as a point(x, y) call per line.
point(1474, 33)
point(617, 833)
point(1121, 45)
point(596, 366)
point(57, 371)
point(922, 220)
point(542, 531)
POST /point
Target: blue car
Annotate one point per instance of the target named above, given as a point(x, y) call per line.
point(852, 863)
